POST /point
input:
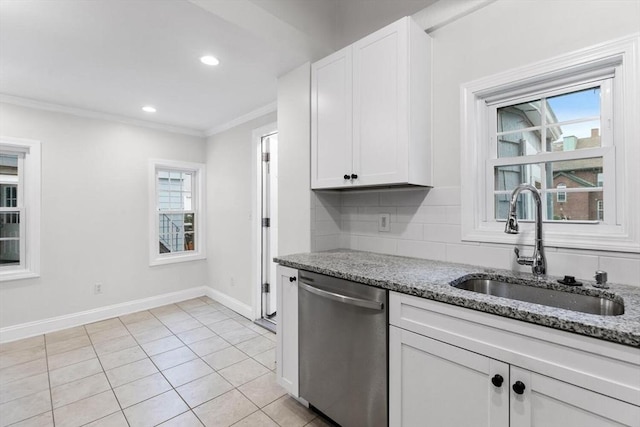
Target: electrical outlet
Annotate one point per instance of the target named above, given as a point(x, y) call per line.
point(97, 288)
point(383, 222)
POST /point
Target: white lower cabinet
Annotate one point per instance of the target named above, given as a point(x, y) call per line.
point(287, 329)
point(454, 367)
point(436, 384)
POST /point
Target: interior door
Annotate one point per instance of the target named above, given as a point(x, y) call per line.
point(269, 235)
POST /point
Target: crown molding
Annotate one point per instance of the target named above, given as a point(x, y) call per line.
point(269, 108)
point(442, 13)
point(80, 112)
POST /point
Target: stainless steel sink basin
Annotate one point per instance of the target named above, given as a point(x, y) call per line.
point(549, 297)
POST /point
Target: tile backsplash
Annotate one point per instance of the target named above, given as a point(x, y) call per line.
point(425, 223)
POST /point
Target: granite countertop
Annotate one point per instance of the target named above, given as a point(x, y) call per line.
point(432, 280)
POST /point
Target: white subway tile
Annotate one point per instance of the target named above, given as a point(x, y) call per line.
point(371, 213)
point(444, 233)
point(408, 231)
point(580, 266)
point(425, 250)
point(349, 213)
point(479, 255)
point(423, 214)
point(348, 241)
point(453, 214)
point(327, 213)
point(361, 199)
point(443, 196)
point(328, 242)
point(360, 227)
point(413, 197)
point(621, 270)
point(324, 228)
point(377, 244)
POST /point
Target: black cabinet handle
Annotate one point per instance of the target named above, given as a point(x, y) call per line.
point(346, 176)
point(292, 278)
point(354, 176)
point(518, 387)
point(497, 380)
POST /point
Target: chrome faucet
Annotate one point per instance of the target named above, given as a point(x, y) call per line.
point(537, 262)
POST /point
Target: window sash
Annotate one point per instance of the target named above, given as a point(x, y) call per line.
point(606, 150)
point(196, 232)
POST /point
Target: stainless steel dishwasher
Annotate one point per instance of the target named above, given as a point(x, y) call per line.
point(343, 349)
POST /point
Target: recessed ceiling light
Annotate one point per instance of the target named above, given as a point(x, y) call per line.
point(148, 109)
point(209, 60)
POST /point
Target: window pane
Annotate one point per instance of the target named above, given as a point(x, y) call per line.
point(582, 173)
point(525, 206)
point(9, 252)
point(519, 144)
point(574, 105)
point(507, 178)
point(576, 136)
point(579, 206)
point(10, 225)
point(520, 116)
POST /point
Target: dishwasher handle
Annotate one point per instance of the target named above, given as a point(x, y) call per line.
point(359, 302)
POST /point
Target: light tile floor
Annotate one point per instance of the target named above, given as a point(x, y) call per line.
point(188, 364)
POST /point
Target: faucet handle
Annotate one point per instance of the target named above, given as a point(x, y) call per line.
point(523, 260)
point(601, 279)
point(517, 251)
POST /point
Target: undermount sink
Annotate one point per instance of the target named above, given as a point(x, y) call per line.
point(549, 297)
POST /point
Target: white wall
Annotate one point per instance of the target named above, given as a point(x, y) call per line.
point(426, 224)
point(94, 224)
point(230, 159)
point(294, 178)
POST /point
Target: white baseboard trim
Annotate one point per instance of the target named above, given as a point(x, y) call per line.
point(30, 329)
point(231, 303)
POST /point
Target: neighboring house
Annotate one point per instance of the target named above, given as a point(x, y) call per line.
point(586, 173)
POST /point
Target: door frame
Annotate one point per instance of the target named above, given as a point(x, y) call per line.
point(256, 214)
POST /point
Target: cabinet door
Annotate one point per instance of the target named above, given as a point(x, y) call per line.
point(287, 329)
point(435, 384)
point(331, 120)
point(380, 106)
point(548, 402)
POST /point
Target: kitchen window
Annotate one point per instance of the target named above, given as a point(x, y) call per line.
point(177, 212)
point(568, 126)
point(19, 209)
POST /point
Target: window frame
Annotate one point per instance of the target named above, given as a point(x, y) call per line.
point(619, 58)
point(28, 206)
point(198, 209)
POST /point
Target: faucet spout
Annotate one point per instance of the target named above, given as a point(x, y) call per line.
point(538, 261)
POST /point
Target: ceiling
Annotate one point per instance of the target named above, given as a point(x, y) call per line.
point(112, 57)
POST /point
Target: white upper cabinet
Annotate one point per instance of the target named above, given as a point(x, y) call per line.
point(370, 118)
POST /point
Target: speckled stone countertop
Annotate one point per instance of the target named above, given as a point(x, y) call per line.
point(432, 280)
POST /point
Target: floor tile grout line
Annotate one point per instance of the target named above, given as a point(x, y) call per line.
point(235, 316)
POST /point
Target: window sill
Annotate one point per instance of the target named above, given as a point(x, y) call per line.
point(9, 275)
point(173, 259)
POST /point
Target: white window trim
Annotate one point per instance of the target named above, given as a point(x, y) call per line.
point(200, 251)
point(30, 213)
point(623, 56)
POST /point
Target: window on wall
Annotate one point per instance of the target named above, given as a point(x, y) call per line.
point(554, 141)
point(567, 127)
point(177, 232)
point(19, 209)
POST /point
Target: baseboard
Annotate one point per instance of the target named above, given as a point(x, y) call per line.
point(39, 327)
point(231, 303)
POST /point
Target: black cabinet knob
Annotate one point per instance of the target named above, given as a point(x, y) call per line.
point(497, 380)
point(518, 387)
point(354, 176)
point(346, 176)
point(292, 278)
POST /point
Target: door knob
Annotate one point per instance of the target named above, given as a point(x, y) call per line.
point(292, 278)
point(497, 380)
point(518, 387)
point(346, 176)
point(354, 176)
